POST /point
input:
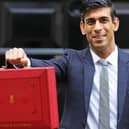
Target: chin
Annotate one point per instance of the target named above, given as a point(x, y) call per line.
point(101, 48)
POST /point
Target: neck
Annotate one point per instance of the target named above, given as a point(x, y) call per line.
point(105, 52)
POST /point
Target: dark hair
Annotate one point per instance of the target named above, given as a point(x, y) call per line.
point(93, 4)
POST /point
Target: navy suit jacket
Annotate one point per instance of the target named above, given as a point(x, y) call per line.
point(78, 67)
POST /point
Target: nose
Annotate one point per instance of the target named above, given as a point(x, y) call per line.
point(98, 26)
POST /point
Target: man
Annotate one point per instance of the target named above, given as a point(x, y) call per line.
point(82, 70)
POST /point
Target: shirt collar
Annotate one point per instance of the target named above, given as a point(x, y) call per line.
point(112, 58)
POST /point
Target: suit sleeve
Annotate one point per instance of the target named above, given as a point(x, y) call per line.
point(59, 64)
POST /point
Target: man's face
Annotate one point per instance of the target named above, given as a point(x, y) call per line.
point(99, 29)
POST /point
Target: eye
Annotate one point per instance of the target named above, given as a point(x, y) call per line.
point(90, 21)
point(104, 19)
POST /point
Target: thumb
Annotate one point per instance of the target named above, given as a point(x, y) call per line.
point(25, 61)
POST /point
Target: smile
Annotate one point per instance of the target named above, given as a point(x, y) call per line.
point(99, 37)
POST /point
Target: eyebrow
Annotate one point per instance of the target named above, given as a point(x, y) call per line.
point(105, 17)
point(93, 20)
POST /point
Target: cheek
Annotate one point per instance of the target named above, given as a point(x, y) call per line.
point(87, 31)
point(88, 34)
point(88, 37)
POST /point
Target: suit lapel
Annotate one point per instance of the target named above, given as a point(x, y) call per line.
point(88, 76)
point(123, 76)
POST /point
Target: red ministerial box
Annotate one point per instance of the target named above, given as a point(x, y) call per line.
point(28, 99)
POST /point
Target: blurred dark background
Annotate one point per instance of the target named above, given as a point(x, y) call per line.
point(50, 24)
point(45, 27)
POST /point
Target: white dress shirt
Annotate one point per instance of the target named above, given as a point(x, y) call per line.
point(93, 111)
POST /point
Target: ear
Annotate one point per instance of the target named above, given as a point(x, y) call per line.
point(116, 23)
point(82, 27)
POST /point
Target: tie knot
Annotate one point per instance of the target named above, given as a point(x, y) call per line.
point(103, 62)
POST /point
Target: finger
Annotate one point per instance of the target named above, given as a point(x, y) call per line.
point(24, 61)
point(12, 56)
point(22, 56)
point(21, 53)
point(14, 53)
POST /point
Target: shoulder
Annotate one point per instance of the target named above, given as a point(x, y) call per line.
point(75, 52)
point(123, 55)
point(123, 52)
point(80, 55)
